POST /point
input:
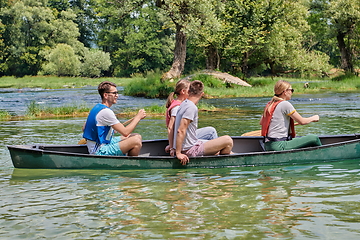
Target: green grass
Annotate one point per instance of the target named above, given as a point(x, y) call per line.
point(4, 115)
point(265, 87)
point(34, 110)
point(52, 82)
point(151, 86)
point(156, 110)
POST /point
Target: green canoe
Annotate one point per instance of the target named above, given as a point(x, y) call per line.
point(248, 150)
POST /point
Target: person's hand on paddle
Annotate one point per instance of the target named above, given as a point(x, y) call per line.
point(183, 158)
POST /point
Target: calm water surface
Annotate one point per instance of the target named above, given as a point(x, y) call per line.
point(290, 202)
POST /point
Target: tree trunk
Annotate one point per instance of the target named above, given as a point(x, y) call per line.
point(179, 56)
point(244, 65)
point(212, 58)
point(346, 62)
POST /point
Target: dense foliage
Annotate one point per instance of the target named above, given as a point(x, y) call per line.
point(120, 38)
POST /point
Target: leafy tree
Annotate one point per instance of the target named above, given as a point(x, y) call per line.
point(59, 5)
point(3, 65)
point(270, 33)
point(181, 16)
point(62, 61)
point(345, 15)
point(137, 39)
point(85, 17)
point(25, 29)
point(285, 48)
point(206, 36)
point(187, 16)
point(85, 20)
point(4, 3)
point(339, 21)
point(31, 28)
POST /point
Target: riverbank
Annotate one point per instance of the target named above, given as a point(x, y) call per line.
point(261, 87)
point(35, 111)
point(53, 82)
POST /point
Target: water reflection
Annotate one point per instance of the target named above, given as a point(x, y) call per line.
point(295, 202)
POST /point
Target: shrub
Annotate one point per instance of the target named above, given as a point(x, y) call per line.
point(95, 61)
point(209, 81)
point(150, 87)
point(62, 61)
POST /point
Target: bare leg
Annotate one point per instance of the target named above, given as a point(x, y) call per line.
point(131, 145)
point(222, 144)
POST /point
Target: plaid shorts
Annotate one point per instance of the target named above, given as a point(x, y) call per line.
point(196, 150)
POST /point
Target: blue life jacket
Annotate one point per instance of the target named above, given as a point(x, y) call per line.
point(95, 133)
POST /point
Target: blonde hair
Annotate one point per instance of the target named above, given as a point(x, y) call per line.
point(180, 85)
point(280, 87)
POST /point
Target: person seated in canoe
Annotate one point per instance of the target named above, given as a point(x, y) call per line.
point(172, 106)
point(277, 122)
point(186, 142)
point(102, 122)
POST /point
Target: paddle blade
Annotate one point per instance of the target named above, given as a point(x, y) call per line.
point(82, 141)
point(252, 133)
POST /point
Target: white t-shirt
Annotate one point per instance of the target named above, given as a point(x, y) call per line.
point(280, 122)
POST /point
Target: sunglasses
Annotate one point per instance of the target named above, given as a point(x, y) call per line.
point(291, 89)
point(115, 93)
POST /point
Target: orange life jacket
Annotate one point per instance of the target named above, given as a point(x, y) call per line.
point(267, 116)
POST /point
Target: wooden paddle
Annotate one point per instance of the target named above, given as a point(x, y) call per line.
point(83, 141)
point(257, 132)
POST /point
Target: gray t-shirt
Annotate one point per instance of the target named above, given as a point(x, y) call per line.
point(189, 111)
point(280, 122)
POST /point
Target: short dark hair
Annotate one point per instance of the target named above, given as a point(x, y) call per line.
point(105, 87)
point(196, 88)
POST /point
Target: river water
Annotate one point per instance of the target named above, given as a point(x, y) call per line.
point(318, 201)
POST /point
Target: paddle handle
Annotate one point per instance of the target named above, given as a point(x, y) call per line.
point(128, 121)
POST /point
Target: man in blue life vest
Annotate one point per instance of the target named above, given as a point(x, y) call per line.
point(102, 122)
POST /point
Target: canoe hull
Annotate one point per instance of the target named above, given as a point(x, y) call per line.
point(335, 148)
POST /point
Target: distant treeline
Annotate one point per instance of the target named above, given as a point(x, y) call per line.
point(122, 38)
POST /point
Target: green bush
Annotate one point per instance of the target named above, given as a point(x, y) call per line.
point(62, 61)
point(95, 61)
point(150, 87)
point(209, 81)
